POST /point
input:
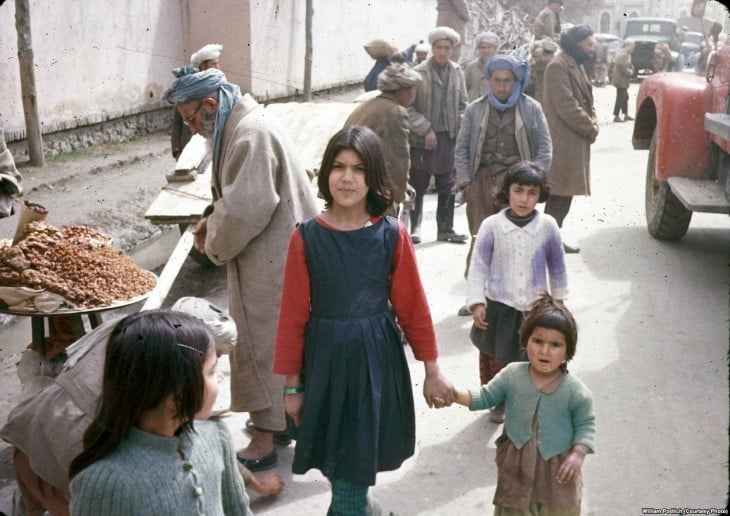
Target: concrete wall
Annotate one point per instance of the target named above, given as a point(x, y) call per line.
point(93, 60)
point(340, 29)
point(103, 60)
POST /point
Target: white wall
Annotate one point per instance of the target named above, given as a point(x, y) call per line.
point(340, 29)
point(94, 60)
point(102, 59)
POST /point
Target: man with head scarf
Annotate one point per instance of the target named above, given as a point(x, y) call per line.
point(547, 23)
point(571, 115)
point(206, 57)
point(387, 116)
point(498, 130)
point(435, 115)
point(487, 44)
point(260, 191)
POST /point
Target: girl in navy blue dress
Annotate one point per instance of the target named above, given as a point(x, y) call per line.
point(350, 273)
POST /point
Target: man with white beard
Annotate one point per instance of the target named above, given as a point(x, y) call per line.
point(260, 192)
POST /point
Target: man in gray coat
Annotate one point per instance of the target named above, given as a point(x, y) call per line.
point(435, 117)
point(260, 192)
point(498, 130)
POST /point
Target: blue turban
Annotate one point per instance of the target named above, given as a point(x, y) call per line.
point(196, 86)
point(521, 71)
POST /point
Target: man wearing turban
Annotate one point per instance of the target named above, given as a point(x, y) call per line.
point(387, 116)
point(571, 115)
point(487, 44)
point(260, 191)
point(499, 129)
point(206, 57)
point(435, 115)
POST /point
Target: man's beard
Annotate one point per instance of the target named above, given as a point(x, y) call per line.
point(207, 120)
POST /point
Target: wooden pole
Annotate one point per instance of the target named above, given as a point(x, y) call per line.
point(27, 83)
point(308, 52)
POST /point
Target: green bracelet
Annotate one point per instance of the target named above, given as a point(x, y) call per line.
point(294, 390)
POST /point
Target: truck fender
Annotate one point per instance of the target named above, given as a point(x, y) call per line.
point(674, 105)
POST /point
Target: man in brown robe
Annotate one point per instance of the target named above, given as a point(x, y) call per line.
point(387, 116)
point(260, 192)
point(571, 115)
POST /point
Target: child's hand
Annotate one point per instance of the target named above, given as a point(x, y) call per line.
point(436, 387)
point(479, 314)
point(570, 468)
point(293, 406)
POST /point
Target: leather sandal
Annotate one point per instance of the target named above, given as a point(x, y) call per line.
point(266, 462)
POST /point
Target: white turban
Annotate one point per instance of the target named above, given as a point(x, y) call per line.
point(490, 38)
point(210, 51)
point(423, 47)
point(440, 33)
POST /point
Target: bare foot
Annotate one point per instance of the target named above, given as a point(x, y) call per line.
point(267, 484)
point(261, 445)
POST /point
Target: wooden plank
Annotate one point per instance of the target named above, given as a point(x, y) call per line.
point(700, 194)
point(310, 124)
point(170, 271)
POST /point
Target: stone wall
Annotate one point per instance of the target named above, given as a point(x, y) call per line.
point(115, 130)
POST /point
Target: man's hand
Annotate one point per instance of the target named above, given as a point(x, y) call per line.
point(431, 141)
point(199, 234)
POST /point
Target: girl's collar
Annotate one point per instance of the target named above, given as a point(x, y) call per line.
point(369, 222)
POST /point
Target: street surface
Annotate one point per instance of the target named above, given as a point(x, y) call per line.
point(652, 346)
point(653, 339)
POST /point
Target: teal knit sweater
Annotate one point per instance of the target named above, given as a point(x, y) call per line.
point(153, 475)
point(565, 417)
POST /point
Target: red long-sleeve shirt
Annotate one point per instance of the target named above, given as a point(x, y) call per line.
point(406, 296)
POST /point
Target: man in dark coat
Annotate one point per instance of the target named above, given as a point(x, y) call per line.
point(571, 115)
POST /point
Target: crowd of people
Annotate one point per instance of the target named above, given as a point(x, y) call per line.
point(323, 301)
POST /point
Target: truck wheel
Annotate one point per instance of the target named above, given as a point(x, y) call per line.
point(666, 216)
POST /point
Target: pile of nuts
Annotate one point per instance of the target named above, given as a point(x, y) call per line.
point(76, 262)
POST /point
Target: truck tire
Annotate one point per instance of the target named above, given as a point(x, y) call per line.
point(666, 216)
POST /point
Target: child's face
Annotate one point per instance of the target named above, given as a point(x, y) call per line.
point(347, 181)
point(546, 350)
point(523, 199)
point(212, 378)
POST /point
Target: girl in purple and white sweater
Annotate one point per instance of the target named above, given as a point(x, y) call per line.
point(515, 252)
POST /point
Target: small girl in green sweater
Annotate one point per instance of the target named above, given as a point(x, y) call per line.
point(549, 421)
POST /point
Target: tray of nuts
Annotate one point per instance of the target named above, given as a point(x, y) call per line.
point(70, 270)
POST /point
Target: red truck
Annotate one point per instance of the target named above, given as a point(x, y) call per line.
point(684, 122)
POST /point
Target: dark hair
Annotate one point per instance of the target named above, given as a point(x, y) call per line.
point(524, 173)
point(367, 145)
point(545, 312)
point(149, 356)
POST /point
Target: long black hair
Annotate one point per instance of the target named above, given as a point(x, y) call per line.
point(367, 145)
point(149, 356)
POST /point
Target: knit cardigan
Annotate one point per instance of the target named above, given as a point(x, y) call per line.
point(510, 264)
point(565, 416)
point(154, 475)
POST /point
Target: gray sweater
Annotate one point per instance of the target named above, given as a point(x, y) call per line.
point(155, 475)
